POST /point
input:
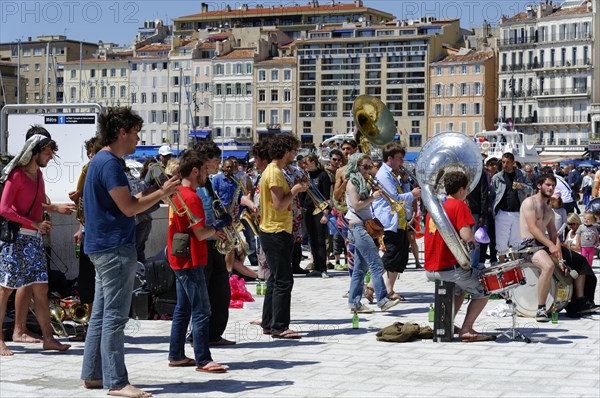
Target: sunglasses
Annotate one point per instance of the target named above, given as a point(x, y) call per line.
point(366, 166)
point(572, 223)
point(335, 159)
point(349, 142)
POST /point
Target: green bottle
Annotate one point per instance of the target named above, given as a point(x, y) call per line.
point(355, 320)
point(258, 288)
point(554, 315)
point(263, 288)
point(431, 313)
point(77, 250)
point(368, 277)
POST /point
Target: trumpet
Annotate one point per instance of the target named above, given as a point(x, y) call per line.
point(157, 172)
point(321, 204)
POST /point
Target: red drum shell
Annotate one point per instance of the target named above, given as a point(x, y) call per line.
point(502, 277)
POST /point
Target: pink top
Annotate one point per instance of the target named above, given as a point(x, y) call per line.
point(18, 195)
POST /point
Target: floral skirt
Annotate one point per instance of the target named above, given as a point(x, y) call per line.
point(24, 262)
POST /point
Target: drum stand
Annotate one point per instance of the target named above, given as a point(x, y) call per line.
point(513, 333)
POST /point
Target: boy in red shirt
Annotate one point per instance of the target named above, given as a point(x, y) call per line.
point(441, 264)
point(192, 294)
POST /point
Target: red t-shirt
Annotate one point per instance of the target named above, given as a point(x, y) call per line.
point(437, 255)
point(198, 249)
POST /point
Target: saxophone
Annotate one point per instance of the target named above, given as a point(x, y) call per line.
point(80, 183)
point(246, 214)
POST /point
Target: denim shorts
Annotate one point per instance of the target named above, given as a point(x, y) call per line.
point(465, 280)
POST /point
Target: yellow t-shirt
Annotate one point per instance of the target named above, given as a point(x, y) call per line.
point(271, 220)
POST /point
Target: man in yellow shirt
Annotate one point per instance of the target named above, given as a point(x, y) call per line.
point(276, 236)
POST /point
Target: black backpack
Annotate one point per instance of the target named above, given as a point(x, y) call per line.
point(160, 278)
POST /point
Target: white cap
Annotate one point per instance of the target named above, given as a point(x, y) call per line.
point(165, 150)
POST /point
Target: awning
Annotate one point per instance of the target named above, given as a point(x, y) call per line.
point(306, 136)
point(200, 133)
point(148, 151)
point(238, 153)
point(411, 156)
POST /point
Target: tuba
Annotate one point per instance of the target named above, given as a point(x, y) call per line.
point(374, 123)
point(448, 151)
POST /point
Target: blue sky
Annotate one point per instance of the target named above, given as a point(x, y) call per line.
point(117, 20)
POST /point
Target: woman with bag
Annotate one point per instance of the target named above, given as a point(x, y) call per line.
point(363, 228)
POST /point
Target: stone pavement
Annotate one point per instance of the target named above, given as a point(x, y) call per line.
point(334, 360)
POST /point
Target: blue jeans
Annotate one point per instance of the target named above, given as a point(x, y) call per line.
point(104, 353)
point(192, 301)
point(366, 256)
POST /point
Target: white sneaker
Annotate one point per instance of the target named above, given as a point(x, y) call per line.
point(363, 309)
point(389, 304)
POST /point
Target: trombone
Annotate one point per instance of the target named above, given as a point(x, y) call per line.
point(157, 172)
point(321, 204)
point(397, 206)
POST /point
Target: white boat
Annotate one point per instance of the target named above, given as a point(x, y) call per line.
point(495, 143)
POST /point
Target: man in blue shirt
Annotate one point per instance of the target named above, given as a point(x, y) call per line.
point(395, 238)
point(109, 210)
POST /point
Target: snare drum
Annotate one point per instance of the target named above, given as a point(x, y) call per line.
point(525, 297)
point(502, 277)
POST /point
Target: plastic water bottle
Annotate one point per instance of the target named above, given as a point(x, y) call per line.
point(259, 288)
point(554, 315)
point(263, 288)
point(355, 320)
point(77, 250)
point(431, 313)
point(368, 277)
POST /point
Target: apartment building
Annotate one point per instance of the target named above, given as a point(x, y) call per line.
point(40, 64)
point(463, 92)
point(202, 91)
point(545, 75)
point(275, 97)
point(233, 104)
point(103, 81)
point(390, 62)
point(294, 20)
point(9, 89)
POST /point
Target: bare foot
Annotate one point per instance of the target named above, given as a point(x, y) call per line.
point(256, 322)
point(93, 384)
point(54, 345)
point(129, 391)
point(26, 337)
point(4, 350)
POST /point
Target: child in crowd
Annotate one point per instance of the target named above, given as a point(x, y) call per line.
point(587, 236)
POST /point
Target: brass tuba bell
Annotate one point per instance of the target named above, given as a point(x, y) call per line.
point(57, 316)
point(374, 122)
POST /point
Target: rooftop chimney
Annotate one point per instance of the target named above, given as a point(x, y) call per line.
point(204, 7)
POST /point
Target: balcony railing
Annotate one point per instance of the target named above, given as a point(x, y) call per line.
point(563, 119)
point(561, 91)
point(546, 65)
point(516, 41)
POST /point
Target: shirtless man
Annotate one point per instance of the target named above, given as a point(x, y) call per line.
point(537, 218)
point(339, 191)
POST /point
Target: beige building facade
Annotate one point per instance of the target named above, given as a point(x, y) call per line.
point(41, 63)
point(463, 93)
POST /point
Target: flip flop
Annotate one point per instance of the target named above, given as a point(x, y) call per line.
point(476, 338)
point(214, 368)
point(183, 363)
point(286, 334)
point(396, 296)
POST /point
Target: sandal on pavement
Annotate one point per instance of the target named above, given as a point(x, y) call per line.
point(212, 367)
point(286, 334)
point(182, 363)
point(396, 296)
point(471, 338)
